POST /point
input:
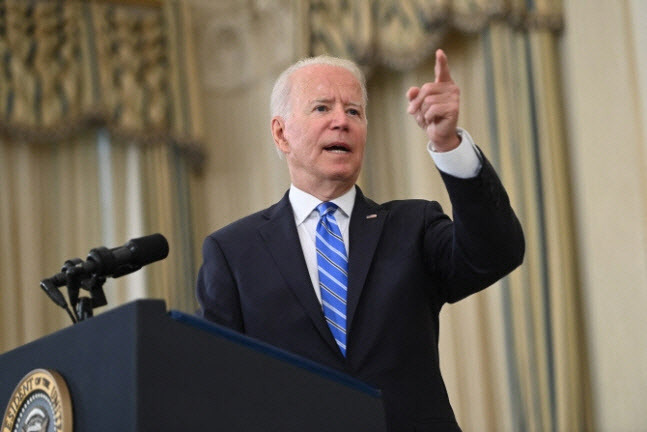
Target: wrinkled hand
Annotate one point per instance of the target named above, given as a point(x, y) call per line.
point(434, 106)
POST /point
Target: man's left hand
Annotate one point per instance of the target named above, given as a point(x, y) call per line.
point(434, 105)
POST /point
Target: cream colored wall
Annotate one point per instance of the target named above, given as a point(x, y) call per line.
point(604, 54)
point(240, 48)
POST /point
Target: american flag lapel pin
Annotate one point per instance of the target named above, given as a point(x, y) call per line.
point(371, 216)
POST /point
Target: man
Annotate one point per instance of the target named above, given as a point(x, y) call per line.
point(356, 285)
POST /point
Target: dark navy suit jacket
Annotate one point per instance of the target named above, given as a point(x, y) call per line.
point(405, 263)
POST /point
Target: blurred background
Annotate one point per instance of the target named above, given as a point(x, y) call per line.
point(125, 118)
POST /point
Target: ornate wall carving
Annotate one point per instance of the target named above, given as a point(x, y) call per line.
point(238, 42)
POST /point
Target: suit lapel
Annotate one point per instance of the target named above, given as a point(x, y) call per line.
point(366, 225)
point(282, 241)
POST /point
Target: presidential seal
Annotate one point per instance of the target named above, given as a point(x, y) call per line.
point(40, 403)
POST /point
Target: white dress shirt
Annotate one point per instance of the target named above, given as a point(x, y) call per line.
point(462, 162)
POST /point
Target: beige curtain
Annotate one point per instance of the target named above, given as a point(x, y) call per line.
point(513, 356)
point(96, 147)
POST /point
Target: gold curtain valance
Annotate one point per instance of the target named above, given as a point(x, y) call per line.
point(402, 33)
point(65, 66)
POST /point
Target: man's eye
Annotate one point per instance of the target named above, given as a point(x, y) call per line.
point(353, 112)
point(321, 108)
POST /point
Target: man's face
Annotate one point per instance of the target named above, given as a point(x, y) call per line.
point(324, 136)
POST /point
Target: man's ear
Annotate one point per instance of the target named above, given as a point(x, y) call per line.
point(278, 133)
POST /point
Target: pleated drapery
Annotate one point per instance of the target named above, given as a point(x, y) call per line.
point(96, 145)
point(402, 34)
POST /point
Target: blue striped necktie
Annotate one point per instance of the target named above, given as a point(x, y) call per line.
point(332, 264)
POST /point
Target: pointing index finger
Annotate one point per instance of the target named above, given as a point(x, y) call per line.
point(441, 69)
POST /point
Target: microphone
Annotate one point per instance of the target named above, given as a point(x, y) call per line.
point(100, 264)
point(118, 261)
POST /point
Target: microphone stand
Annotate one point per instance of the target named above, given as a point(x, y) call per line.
point(94, 285)
point(53, 293)
point(76, 278)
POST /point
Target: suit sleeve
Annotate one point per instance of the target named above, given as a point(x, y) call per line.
point(216, 289)
point(483, 243)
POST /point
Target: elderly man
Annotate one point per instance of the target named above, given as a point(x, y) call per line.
point(329, 274)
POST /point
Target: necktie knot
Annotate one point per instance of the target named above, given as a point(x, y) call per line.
point(326, 208)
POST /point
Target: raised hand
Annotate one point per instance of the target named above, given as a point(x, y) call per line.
point(434, 106)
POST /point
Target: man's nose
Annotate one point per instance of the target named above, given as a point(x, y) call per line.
point(339, 119)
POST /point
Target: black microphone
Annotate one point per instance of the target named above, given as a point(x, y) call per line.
point(118, 261)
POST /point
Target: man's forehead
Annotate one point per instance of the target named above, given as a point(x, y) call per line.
point(322, 80)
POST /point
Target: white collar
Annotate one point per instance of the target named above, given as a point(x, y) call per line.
point(303, 204)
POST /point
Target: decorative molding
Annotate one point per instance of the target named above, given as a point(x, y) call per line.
point(238, 42)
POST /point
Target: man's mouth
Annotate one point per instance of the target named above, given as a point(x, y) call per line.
point(337, 148)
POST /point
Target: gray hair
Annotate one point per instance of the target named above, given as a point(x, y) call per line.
point(280, 99)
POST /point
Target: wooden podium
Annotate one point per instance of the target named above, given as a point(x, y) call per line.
point(141, 368)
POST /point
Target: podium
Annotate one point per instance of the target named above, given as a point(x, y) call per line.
point(141, 368)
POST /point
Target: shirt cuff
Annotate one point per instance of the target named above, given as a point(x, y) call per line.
point(463, 162)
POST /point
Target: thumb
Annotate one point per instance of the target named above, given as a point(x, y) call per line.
point(441, 69)
point(412, 93)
